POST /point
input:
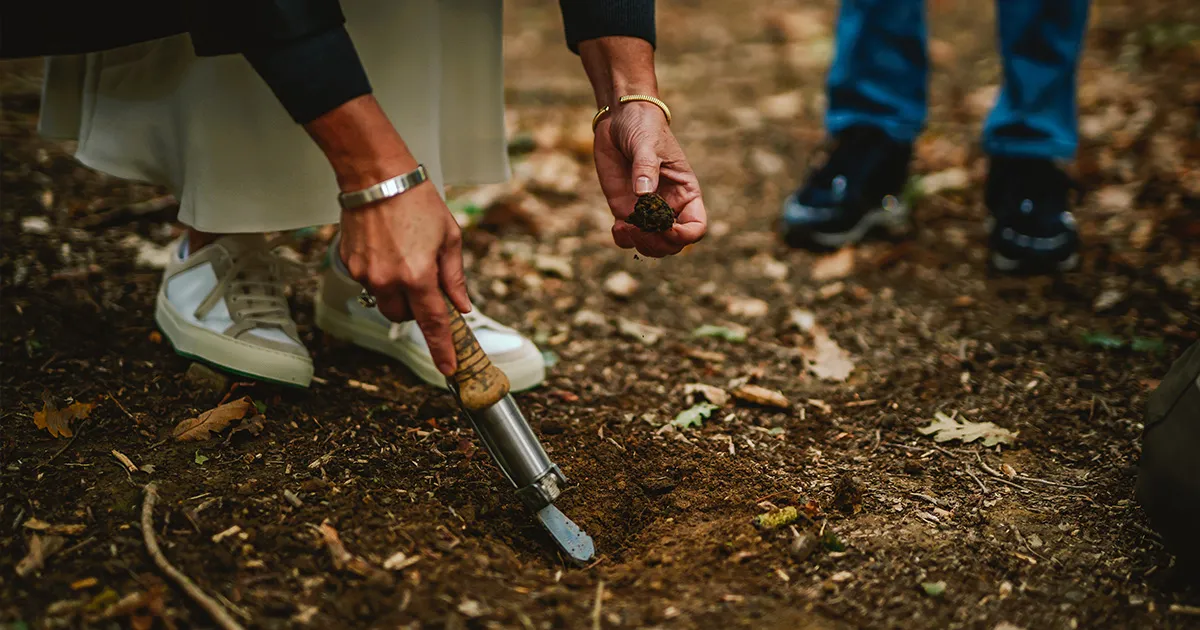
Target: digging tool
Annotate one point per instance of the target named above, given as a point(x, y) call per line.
point(482, 392)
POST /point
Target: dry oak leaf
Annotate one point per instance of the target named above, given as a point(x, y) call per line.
point(58, 421)
point(213, 421)
point(833, 266)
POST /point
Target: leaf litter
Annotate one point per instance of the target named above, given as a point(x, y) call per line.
point(945, 428)
point(57, 421)
point(216, 420)
point(694, 416)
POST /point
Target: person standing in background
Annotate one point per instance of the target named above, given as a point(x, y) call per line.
point(877, 90)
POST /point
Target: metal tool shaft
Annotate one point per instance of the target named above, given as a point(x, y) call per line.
point(517, 452)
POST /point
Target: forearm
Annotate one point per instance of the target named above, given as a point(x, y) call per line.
point(618, 66)
point(361, 144)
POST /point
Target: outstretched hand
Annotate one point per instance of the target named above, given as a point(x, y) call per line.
point(636, 153)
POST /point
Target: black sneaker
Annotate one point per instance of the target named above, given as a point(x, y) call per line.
point(1031, 225)
point(857, 190)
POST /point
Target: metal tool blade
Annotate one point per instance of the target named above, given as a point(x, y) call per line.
point(573, 541)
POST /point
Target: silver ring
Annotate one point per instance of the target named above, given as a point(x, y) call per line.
point(366, 299)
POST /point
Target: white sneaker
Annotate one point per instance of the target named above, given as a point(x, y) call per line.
point(339, 313)
point(225, 304)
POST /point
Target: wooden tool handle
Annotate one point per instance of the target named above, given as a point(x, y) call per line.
point(480, 383)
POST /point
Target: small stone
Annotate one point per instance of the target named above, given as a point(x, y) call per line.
point(590, 320)
point(471, 608)
point(35, 225)
point(1107, 300)
point(644, 333)
point(803, 320)
point(787, 106)
point(620, 284)
point(766, 163)
point(554, 265)
point(842, 576)
point(291, 498)
point(747, 307)
point(206, 378)
point(803, 546)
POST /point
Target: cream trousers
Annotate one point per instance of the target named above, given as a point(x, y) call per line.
point(209, 129)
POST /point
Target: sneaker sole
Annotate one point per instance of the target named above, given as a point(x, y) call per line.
point(522, 375)
point(895, 222)
point(228, 354)
point(1003, 263)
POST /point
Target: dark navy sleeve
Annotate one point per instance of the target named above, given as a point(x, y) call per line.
point(313, 74)
point(590, 19)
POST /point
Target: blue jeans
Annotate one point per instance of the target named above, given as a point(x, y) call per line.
point(880, 68)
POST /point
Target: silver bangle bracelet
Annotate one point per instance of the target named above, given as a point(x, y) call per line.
point(384, 190)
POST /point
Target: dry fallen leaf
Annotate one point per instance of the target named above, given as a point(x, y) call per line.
point(712, 394)
point(944, 428)
point(39, 549)
point(58, 421)
point(212, 421)
point(761, 396)
point(826, 359)
point(834, 266)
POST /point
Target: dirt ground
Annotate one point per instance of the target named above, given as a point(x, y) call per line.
point(896, 530)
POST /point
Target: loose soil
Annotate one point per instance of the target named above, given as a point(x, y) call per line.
point(1052, 539)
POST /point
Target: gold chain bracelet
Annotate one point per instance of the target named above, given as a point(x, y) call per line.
point(632, 97)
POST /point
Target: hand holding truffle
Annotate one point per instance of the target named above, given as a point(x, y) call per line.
point(642, 169)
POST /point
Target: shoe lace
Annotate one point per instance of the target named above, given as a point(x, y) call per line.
point(254, 291)
point(476, 320)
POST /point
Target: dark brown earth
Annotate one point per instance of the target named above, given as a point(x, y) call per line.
point(1049, 538)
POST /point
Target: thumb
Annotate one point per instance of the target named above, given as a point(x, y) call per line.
point(646, 164)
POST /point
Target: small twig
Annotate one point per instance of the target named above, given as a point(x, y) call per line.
point(1180, 609)
point(1021, 538)
point(597, 606)
point(926, 497)
point(120, 406)
point(982, 487)
point(999, 475)
point(218, 613)
point(769, 496)
point(1153, 535)
point(1051, 483)
point(80, 545)
point(1000, 478)
point(78, 432)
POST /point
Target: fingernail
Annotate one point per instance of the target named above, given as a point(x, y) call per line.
point(643, 186)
